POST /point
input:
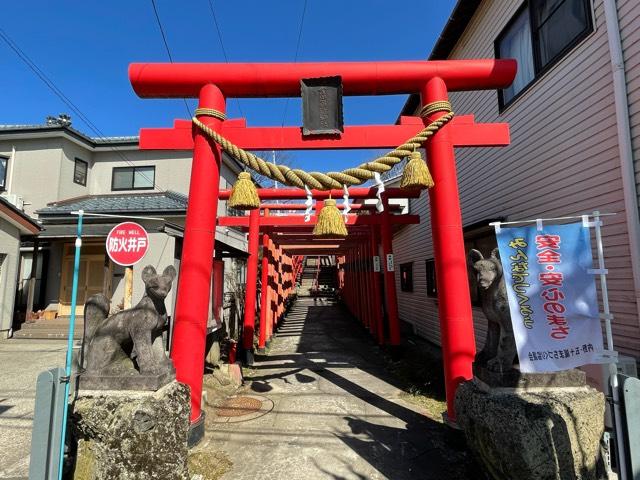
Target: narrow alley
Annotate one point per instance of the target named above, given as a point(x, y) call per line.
point(333, 411)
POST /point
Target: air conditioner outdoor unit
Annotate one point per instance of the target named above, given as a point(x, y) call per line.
point(598, 377)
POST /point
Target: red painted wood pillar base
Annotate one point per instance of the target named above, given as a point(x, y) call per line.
point(194, 286)
point(251, 286)
point(388, 266)
point(456, 322)
point(264, 274)
point(377, 296)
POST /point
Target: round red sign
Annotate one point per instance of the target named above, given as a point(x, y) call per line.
point(127, 243)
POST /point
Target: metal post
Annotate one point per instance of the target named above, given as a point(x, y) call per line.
point(613, 369)
point(251, 286)
point(389, 275)
point(456, 321)
point(70, 334)
point(192, 304)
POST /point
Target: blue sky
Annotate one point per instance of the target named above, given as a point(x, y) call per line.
point(85, 48)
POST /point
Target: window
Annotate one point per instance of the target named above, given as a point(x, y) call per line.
point(481, 237)
point(4, 164)
point(80, 172)
point(133, 178)
point(541, 33)
point(406, 277)
point(432, 291)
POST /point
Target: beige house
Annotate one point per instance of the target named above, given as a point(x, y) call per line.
point(569, 155)
point(49, 171)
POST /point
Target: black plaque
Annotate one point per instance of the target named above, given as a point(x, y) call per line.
point(322, 106)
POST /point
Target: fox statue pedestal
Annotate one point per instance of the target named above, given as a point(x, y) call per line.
point(533, 426)
point(525, 426)
point(130, 418)
point(132, 435)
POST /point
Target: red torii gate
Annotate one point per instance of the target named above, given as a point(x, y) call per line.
point(297, 223)
point(214, 83)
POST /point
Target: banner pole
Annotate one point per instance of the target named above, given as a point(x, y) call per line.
point(613, 369)
point(67, 374)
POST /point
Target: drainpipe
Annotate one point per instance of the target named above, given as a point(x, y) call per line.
point(624, 142)
point(629, 191)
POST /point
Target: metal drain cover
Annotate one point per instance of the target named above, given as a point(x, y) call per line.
point(240, 408)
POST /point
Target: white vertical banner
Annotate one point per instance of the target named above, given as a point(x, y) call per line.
point(552, 295)
point(390, 265)
point(376, 263)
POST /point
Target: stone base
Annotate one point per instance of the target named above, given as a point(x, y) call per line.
point(551, 433)
point(132, 435)
point(132, 380)
point(196, 431)
point(514, 379)
point(248, 357)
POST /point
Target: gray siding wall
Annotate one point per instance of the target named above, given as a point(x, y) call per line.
point(629, 18)
point(9, 246)
point(563, 160)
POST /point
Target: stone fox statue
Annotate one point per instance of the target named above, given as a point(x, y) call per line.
point(111, 342)
point(499, 350)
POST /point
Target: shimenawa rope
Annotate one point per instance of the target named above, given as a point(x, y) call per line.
point(296, 177)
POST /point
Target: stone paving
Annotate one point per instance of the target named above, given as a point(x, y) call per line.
point(20, 362)
point(337, 413)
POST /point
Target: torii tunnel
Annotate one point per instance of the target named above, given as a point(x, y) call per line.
point(288, 236)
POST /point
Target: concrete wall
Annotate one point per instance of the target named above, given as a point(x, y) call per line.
point(67, 188)
point(10, 250)
point(563, 160)
point(172, 169)
point(34, 171)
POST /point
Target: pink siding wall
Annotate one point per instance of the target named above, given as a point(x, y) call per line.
point(563, 160)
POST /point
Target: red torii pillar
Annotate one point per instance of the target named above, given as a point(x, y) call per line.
point(264, 291)
point(456, 321)
point(251, 287)
point(192, 304)
point(273, 80)
point(375, 279)
point(390, 293)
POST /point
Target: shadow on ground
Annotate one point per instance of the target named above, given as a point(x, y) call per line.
point(339, 409)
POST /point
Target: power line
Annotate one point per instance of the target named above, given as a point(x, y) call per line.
point(60, 94)
point(224, 51)
point(295, 58)
point(166, 46)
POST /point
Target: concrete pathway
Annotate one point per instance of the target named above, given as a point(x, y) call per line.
point(20, 363)
point(336, 412)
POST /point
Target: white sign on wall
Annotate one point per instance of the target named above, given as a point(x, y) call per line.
point(376, 263)
point(390, 266)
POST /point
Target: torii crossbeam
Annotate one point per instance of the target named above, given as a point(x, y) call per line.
point(214, 83)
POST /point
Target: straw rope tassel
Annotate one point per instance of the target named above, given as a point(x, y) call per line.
point(244, 195)
point(416, 173)
point(330, 222)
